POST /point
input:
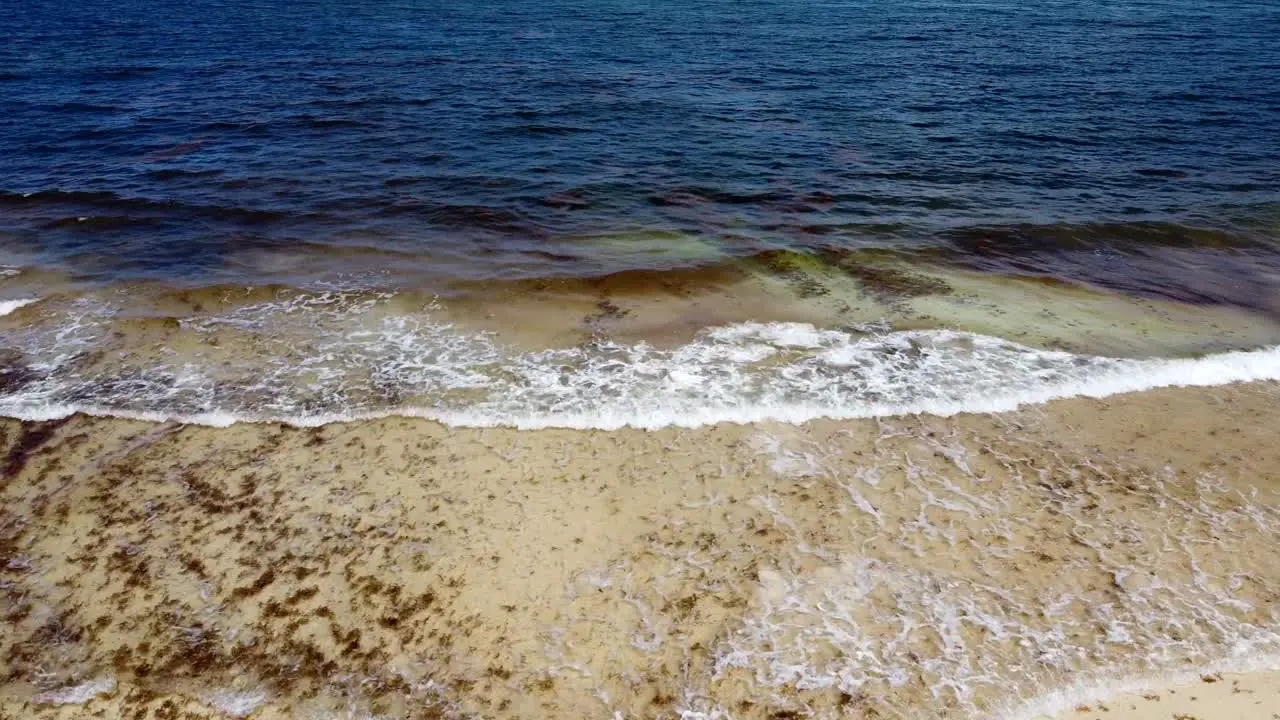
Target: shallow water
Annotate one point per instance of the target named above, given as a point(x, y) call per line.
point(973, 567)
point(615, 360)
point(481, 184)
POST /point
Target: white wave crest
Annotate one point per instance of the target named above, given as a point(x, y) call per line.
point(348, 360)
point(77, 694)
point(8, 306)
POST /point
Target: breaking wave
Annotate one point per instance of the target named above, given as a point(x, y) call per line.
point(8, 306)
point(343, 356)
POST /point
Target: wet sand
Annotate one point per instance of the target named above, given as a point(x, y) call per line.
point(1210, 696)
point(901, 567)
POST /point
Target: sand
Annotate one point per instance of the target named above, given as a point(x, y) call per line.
point(903, 567)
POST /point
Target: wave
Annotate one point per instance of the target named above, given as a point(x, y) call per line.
point(1052, 703)
point(75, 205)
point(1093, 689)
point(8, 306)
point(499, 226)
point(312, 360)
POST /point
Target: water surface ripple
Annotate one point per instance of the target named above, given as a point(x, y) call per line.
point(159, 139)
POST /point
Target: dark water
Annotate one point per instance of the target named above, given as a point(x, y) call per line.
point(166, 139)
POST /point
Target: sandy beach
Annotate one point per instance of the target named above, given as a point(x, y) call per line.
point(896, 567)
point(591, 360)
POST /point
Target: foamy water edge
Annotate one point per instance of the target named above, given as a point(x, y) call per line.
point(8, 306)
point(1103, 687)
point(1095, 688)
point(1112, 377)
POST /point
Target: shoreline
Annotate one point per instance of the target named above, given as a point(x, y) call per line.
point(751, 373)
point(1233, 689)
point(888, 565)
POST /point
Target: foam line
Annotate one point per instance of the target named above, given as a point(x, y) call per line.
point(8, 306)
point(77, 694)
point(744, 373)
point(1094, 689)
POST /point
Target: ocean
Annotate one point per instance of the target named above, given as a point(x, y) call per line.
point(917, 281)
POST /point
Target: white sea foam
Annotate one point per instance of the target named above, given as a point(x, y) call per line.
point(962, 636)
point(8, 306)
point(338, 357)
point(234, 703)
point(77, 694)
point(1095, 689)
point(972, 636)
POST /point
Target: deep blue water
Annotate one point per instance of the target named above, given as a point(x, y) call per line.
point(158, 138)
